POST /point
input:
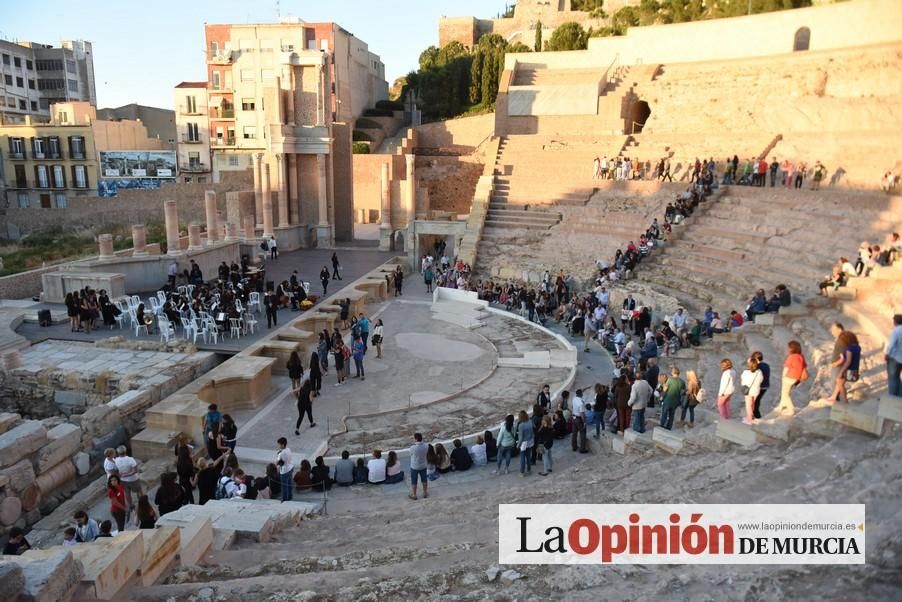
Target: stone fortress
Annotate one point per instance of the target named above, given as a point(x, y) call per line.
point(676, 92)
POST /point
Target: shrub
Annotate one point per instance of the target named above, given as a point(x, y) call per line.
point(360, 148)
point(358, 136)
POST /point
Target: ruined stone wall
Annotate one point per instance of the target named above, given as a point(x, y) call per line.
point(450, 181)
point(130, 207)
point(456, 135)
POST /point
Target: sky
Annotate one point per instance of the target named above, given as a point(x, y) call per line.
point(141, 53)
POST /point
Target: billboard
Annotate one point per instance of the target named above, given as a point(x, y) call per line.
point(120, 165)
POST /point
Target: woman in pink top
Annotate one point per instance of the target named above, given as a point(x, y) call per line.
point(795, 371)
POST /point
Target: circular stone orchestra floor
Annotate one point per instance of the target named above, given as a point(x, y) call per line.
point(424, 360)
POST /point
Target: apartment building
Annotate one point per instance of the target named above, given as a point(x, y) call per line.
point(34, 76)
point(45, 164)
point(243, 59)
point(193, 133)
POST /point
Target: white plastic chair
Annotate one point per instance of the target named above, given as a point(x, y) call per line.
point(239, 306)
point(161, 296)
point(167, 331)
point(134, 301)
point(234, 328)
point(250, 322)
point(155, 306)
point(253, 302)
point(212, 331)
point(139, 326)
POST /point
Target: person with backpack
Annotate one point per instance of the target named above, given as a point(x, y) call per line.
point(226, 487)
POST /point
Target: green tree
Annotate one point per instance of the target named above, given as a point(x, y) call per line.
point(538, 44)
point(475, 91)
point(489, 79)
point(624, 18)
point(519, 47)
point(586, 5)
point(450, 52)
point(569, 36)
point(428, 58)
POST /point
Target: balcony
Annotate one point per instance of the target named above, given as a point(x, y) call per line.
point(222, 113)
point(189, 140)
point(17, 156)
point(228, 141)
point(193, 168)
point(185, 110)
point(220, 57)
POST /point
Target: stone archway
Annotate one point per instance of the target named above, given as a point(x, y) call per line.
point(802, 39)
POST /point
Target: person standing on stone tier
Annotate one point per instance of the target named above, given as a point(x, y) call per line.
point(305, 405)
point(336, 267)
point(271, 304)
point(286, 468)
point(324, 278)
point(273, 248)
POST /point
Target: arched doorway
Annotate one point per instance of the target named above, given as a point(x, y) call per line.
point(802, 39)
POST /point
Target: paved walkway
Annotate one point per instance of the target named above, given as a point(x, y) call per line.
point(308, 262)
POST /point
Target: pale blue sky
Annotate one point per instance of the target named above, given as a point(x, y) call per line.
point(141, 50)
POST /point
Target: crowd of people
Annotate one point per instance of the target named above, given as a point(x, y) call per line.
point(750, 172)
point(868, 258)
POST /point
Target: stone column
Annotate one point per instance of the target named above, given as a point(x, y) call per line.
point(410, 188)
point(258, 187)
point(283, 192)
point(323, 231)
point(139, 240)
point(171, 213)
point(220, 225)
point(294, 192)
point(320, 95)
point(267, 202)
point(106, 246)
point(194, 237)
point(385, 214)
point(249, 227)
point(231, 231)
point(210, 210)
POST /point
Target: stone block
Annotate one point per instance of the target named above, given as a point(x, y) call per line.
point(99, 420)
point(618, 445)
point(863, 417)
point(726, 337)
point(12, 581)
point(20, 441)
point(736, 432)
point(794, 310)
point(8, 420)
point(55, 477)
point(636, 439)
point(82, 463)
point(196, 539)
point(110, 564)
point(843, 293)
point(766, 319)
point(773, 428)
point(70, 401)
point(10, 511)
point(669, 441)
point(151, 443)
point(20, 475)
point(113, 438)
point(132, 401)
point(161, 546)
point(890, 408)
point(223, 539)
point(51, 575)
point(65, 440)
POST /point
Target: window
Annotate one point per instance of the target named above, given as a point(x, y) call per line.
point(73, 85)
point(6, 59)
point(2, 101)
point(228, 80)
point(193, 160)
point(802, 40)
point(79, 174)
point(50, 65)
point(70, 66)
point(38, 147)
point(11, 102)
point(20, 82)
point(214, 47)
point(250, 132)
point(23, 200)
point(247, 75)
point(201, 179)
point(217, 82)
point(17, 62)
point(192, 133)
point(53, 147)
point(31, 85)
point(247, 104)
point(246, 45)
point(40, 176)
point(44, 103)
point(8, 79)
point(34, 105)
point(76, 147)
point(267, 74)
point(59, 177)
point(230, 136)
point(234, 161)
point(62, 117)
point(60, 200)
point(21, 104)
point(17, 148)
point(45, 201)
point(287, 46)
point(191, 104)
point(21, 180)
point(51, 84)
point(29, 65)
point(267, 45)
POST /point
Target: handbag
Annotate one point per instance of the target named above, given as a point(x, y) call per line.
point(745, 389)
point(524, 446)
